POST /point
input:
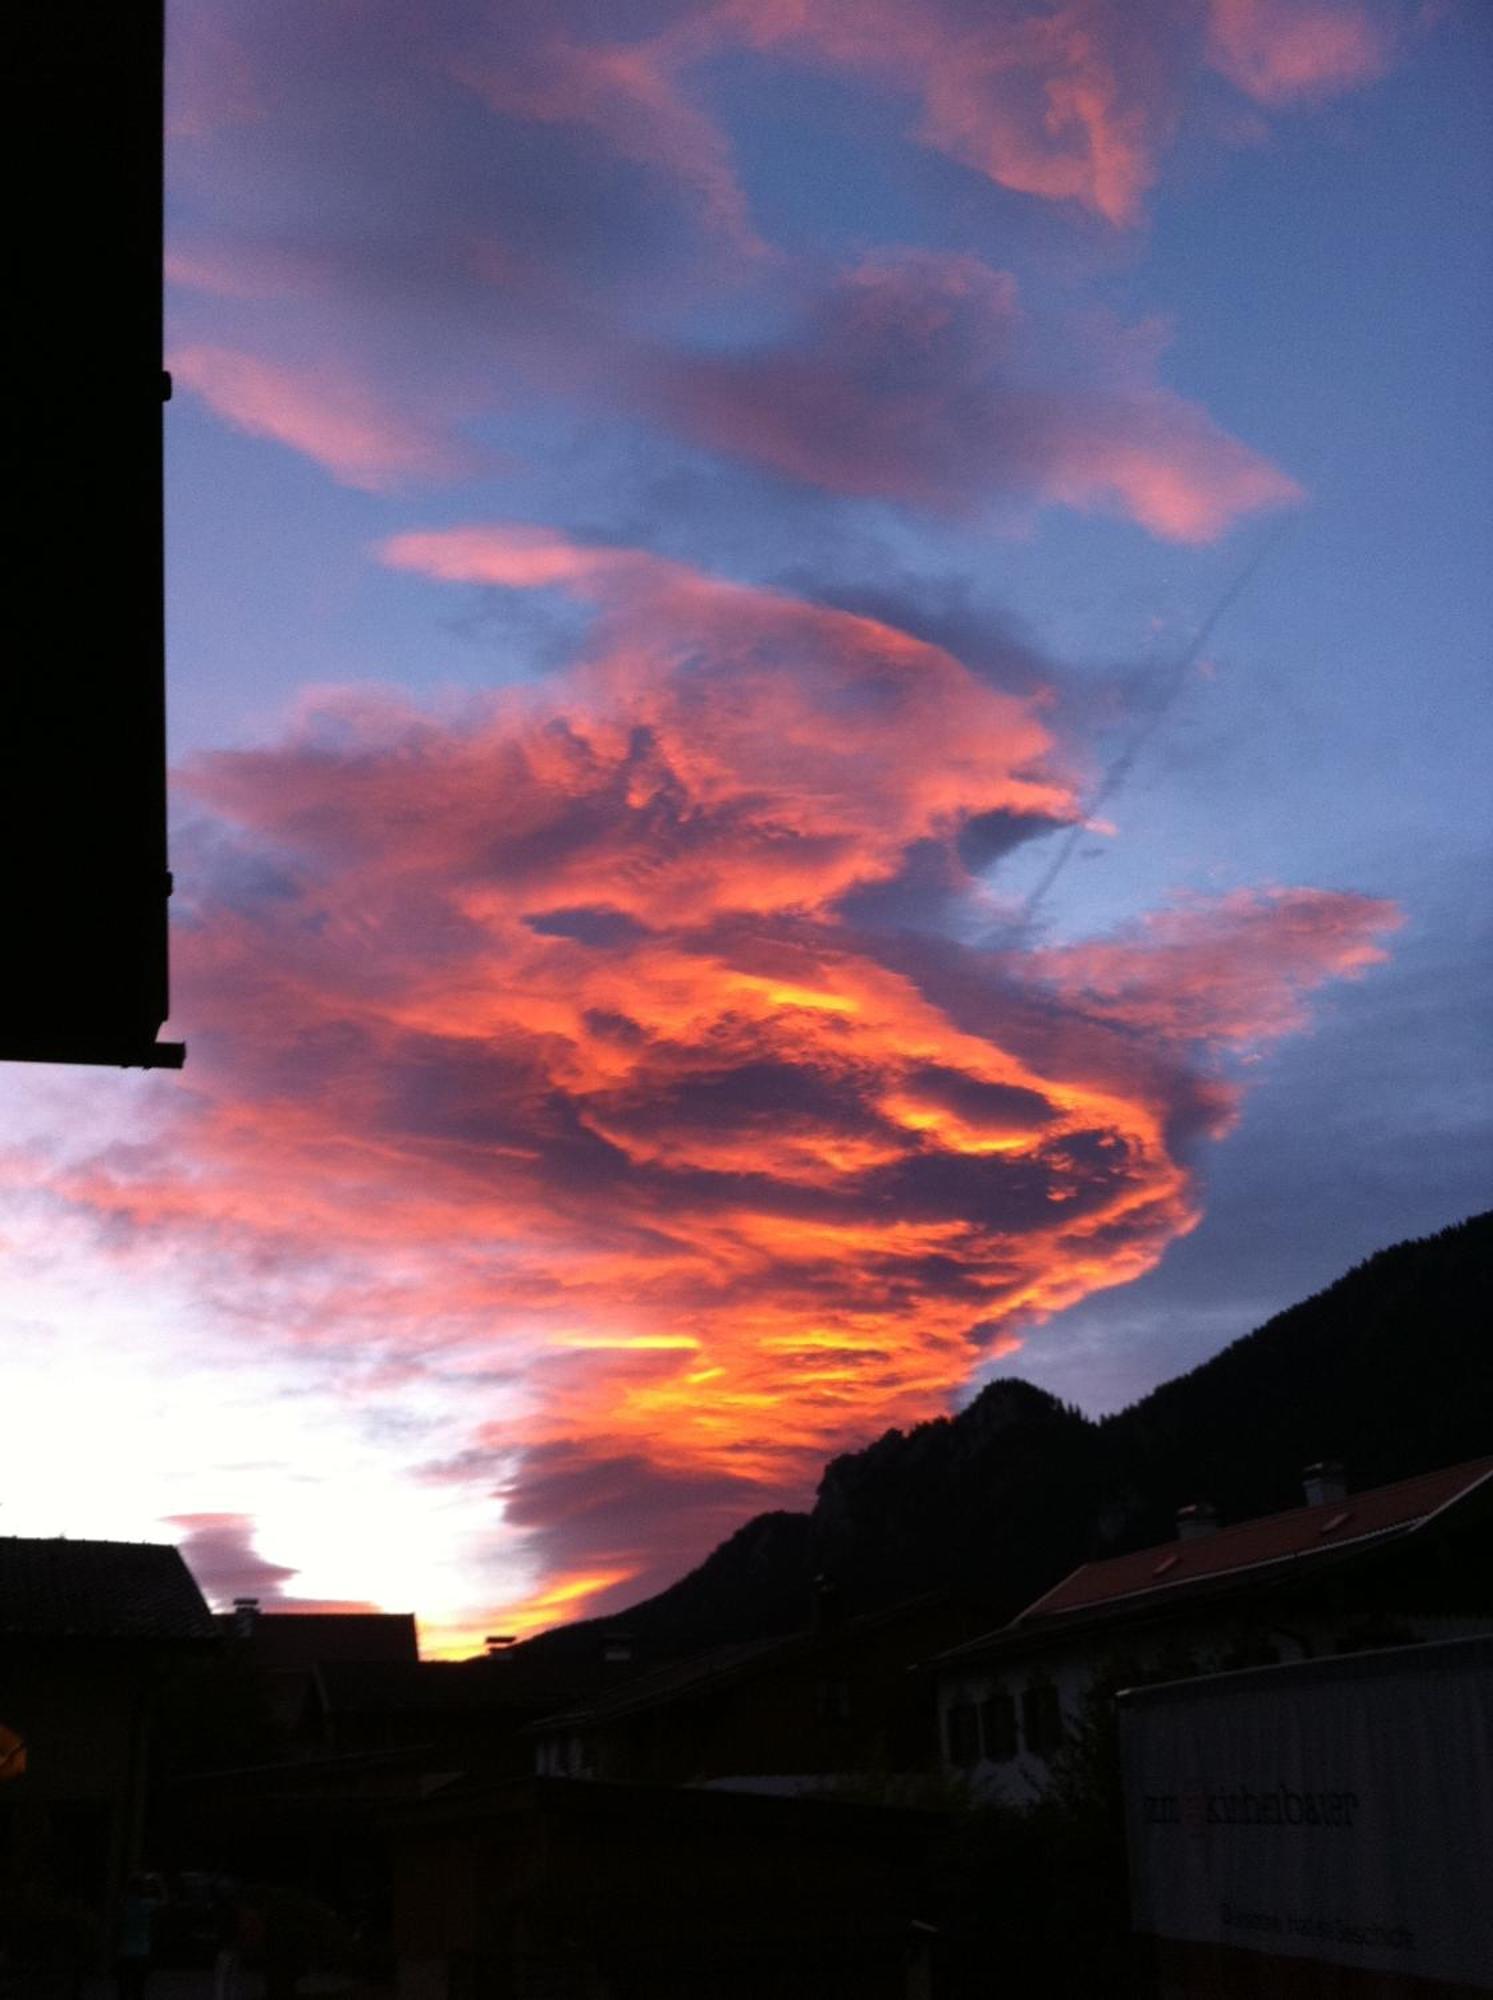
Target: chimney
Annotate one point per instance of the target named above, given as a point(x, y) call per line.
point(245, 1617)
point(1324, 1482)
point(1193, 1522)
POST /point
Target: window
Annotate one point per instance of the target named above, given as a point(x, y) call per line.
point(998, 1726)
point(1042, 1719)
point(963, 1730)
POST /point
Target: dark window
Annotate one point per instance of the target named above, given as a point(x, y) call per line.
point(962, 1723)
point(1042, 1719)
point(998, 1726)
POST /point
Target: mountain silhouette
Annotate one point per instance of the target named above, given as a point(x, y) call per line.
point(1389, 1370)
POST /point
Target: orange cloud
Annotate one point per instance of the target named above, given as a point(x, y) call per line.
point(327, 414)
point(560, 1599)
point(570, 1037)
point(613, 1053)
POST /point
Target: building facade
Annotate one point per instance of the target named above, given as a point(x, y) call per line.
point(1343, 1573)
point(89, 1633)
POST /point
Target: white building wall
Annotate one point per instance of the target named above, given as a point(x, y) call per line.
point(1207, 1642)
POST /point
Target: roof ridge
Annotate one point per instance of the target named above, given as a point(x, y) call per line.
point(1480, 1467)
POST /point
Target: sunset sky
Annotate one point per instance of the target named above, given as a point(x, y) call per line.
point(730, 884)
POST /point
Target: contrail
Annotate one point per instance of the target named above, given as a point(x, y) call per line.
point(1171, 687)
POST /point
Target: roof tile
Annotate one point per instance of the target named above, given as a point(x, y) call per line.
point(59, 1588)
point(1299, 1532)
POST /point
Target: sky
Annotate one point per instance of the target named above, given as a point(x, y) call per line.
point(828, 673)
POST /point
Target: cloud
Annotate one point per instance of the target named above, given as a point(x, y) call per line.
point(322, 411)
point(1073, 101)
point(1286, 52)
point(627, 94)
point(1235, 970)
point(219, 1551)
point(563, 1033)
point(211, 77)
point(913, 378)
point(604, 1510)
point(501, 213)
point(1069, 102)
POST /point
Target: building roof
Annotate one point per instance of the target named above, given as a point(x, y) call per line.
point(673, 1682)
point(314, 1638)
point(681, 1680)
point(63, 1589)
point(450, 1687)
point(1243, 1554)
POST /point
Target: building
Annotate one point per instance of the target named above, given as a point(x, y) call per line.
point(835, 1706)
point(1345, 1572)
point(89, 1632)
point(1318, 1828)
point(290, 1653)
point(352, 1727)
point(83, 751)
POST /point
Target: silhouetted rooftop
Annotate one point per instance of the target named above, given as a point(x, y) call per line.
point(681, 1679)
point(60, 1588)
point(316, 1638)
point(1243, 1554)
point(1298, 1533)
point(479, 1686)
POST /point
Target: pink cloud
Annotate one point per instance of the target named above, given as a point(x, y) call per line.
point(219, 1551)
point(1072, 100)
point(628, 95)
point(1067, 102)
point(1285, 52)
point(524, 558)
point(244, 272)
point(212, 77)
point(1237, 970)
point(322, 411)
point(1160, 460)
point(916, 377)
